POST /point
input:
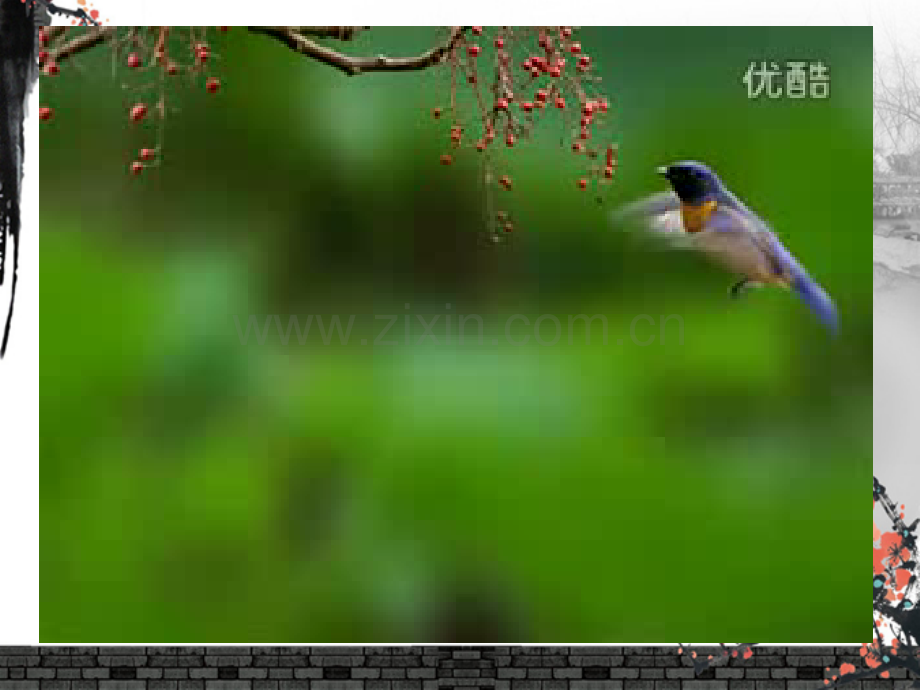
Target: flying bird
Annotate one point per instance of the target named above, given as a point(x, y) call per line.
point(699, 212)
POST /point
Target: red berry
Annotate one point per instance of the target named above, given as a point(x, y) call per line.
point(471, 79)
point(446, 159)
point(212, 85)
point(436, 112)
point(585, 133)
point(505, 181)
point(603, 105)
point(52, 68)
point(501, 104)
point(473, 50)
point(147, 154)
point(138, 112)
point(526, 106)
point(560, 102)
point(42, 37)
point(584, 61)
point(608, 171)
point(526, 64)
point(203, 53)
point(480, 145)
point(585, 121)
point(499, 43)
point(535, 72)
point(490, 135)
point(136, 168)
point(224, 29)
point(42, 56)
point(172, 68)
point(509, 140)
point(582, 183)
point(588, 108)
point(541, 95)
point(566, 32)
point(555, 72)
point(134, 60)
point(45, 113)
point(576, 147)
point(477, 30)
point(575, 48)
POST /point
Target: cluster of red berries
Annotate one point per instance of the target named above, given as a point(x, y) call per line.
point(147, 54)
point(535, 70)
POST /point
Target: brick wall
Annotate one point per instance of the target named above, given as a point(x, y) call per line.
point(419, 668)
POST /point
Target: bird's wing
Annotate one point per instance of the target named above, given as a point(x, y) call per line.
point(658, 214)
point(745, 244)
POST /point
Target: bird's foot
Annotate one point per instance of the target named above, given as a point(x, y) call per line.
point(738, 288)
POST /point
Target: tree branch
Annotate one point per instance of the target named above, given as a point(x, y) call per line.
point(80, 14)
point(84, 41)
point(295, 39)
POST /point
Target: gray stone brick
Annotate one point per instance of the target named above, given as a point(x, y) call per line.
point(228, 685)
point(407, 685)
point(667, 685)
point(40, 673)
point(281, 673)
point(385, 673)
point(163, 685)
point(62, 673)
point(741, 684)
point(55, 685)
point(653, 673)
point(96, 673)
point(85, 685)
point(624, 673)
point(596, 685)
point(525, 684)
point(190, 661)
point(368, 673)
point(422, 673)
point(122, 685)
point(467, 654)
point(378, 685)
point(122, 660)
point(20, 660)
point(148, 673)
point(16, 673)
point(205, 673)
point(175, 673)
point(334, 650)
point(567, 673)
point(795, 660)
point(705, 685)
point(404, 661)
point(512, 673)
point(228, 661)
point(639, 685)
point(191, 685)
point(335, 685)
point(265, 685)
point(760, 674)
point(597, 660)
point(308, 673)
point(723, 672)
point(682, 672)
point(131, 651)
point(782, 673)
point(540, 673)
point(56, 660)
point(555, 685)
point(770, 685)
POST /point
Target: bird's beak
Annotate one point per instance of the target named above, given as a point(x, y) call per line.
point(662, 170)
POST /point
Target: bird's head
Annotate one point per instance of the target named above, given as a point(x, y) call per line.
point(693, 182)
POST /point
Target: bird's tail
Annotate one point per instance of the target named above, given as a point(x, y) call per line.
point(807, 288)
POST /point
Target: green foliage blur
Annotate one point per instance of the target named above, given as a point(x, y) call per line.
point(197, 489)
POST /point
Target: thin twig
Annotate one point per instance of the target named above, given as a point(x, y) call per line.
point(350, 65)
point(83, 42)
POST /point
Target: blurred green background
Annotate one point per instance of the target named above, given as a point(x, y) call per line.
point(195, 489)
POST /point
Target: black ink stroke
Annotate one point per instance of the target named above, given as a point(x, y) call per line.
point(80, 14)
point(19, 22)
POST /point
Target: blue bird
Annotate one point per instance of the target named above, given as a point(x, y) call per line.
point(701, 213)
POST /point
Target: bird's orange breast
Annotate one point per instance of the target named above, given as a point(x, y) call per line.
point(694, 217)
